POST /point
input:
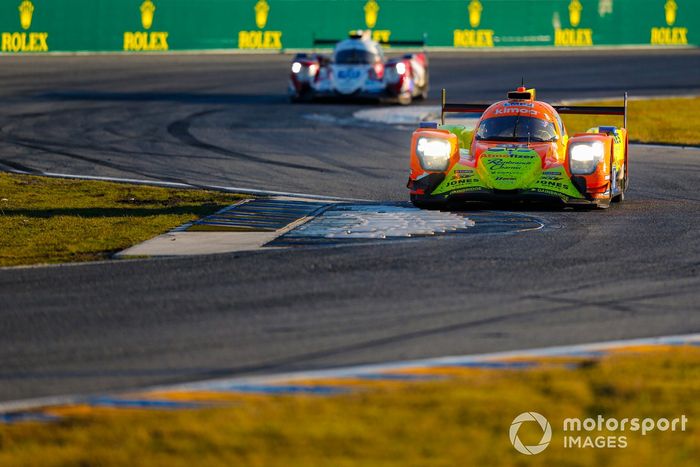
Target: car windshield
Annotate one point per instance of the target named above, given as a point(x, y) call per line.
point(354, 57)
point(516, 128)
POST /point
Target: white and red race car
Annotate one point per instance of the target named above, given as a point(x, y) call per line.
point(357, 69)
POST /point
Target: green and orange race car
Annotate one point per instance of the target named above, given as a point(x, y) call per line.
point(519, 150)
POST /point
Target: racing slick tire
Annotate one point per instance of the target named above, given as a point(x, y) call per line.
point(619, 198)
point(301, 98)
point(405, 99)
point(424, 90)
point(623, 187)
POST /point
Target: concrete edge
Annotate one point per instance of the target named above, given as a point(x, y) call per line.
point(351, 371)
point(217, 242)
point(167, 184)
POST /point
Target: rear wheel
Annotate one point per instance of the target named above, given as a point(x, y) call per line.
point(304, 96)
point(423, 94)
point(424, 90)
point(405, 98)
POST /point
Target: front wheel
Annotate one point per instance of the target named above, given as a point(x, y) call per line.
point(619, 198)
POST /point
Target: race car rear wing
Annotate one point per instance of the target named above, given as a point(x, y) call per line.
point(562, 109)
point(355, 35)
point(325, 41)
point(409, 43)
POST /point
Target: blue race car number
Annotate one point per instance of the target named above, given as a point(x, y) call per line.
point(349, 74)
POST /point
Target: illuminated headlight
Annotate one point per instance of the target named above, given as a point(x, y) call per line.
point(434, 153)
point(304, 73)
point(584, 157)
point(392, 74)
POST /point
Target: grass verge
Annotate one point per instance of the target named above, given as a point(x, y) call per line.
point(48, 220)
point(461, 421)
point(668, 121)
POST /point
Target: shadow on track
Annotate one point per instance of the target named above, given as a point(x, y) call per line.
point(180, 97)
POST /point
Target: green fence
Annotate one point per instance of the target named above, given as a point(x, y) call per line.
point(28, 26)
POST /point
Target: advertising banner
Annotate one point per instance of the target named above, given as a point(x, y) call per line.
point(31, 26)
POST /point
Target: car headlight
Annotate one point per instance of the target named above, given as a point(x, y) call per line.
point(296, 67)
point(433, 153)
point(584, 157)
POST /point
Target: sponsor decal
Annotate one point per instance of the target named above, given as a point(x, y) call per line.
point(466, 190)
point(575, 9)
point(556, 182)
point(146, 41)
point(262, 9)
point(463, 173)
point(549, 183)
point(371, 10)
point(459, 183)
point(605, 7)
point(515, 110)
point(349, 74)
point(461, 179)
point(381, 35)
point(573, 36)
point(509, 170)
point(474, 37)
point(25, 41)
point(259, 39)
point(371, 13)
point(475, 10)
point(506, 163)
point(669, 34)
point(518, 104)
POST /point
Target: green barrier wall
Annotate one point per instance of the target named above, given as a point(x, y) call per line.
point(29, 26)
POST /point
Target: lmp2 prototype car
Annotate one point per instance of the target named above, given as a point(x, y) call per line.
point(357, 69)
point(519, 150)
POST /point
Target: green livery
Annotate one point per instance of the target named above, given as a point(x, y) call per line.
point(508, 169)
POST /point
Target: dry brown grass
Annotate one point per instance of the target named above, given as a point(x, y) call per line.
point(48, 220)
point(463, 421)
point(671, 121)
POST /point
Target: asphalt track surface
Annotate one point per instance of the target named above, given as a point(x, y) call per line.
point(630, 271)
